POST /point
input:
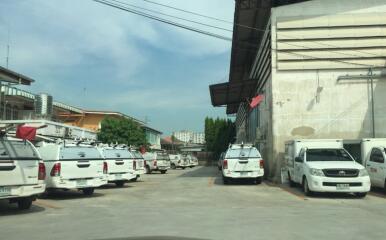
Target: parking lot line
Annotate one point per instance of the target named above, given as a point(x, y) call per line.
point(44, 203)
point(288, 190)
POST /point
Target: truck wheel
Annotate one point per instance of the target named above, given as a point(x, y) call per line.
point(120, 183)
point(361, 194)
point(306, 189)
point(24, 203)
point(259, 180)
point(163, 171)
point(148, 171)
point(225, 180)
point(88, 191)
point(291, 183)
point(173, 166)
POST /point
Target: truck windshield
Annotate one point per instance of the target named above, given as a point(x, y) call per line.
point(17, 150)
point(243, 153)
point(163, 157)
point(315, 155)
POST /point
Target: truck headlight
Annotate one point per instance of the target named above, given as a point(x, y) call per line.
point(363, 173)
point(316, 172)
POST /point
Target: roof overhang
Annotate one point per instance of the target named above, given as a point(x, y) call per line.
point(9, 76)
point(232, 93)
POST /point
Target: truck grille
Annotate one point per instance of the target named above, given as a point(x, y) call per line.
point(341, 172)
point(333, 184)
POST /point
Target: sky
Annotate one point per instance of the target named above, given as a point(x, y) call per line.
point(95, 57)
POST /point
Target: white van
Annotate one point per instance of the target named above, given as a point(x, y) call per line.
point(156, 161)
point(323, 165)
point(371, 153)
point(121, 165)
point(22, 172)
point(140, 164)
point(73, 165)
point(178, 161)
point(242, 161)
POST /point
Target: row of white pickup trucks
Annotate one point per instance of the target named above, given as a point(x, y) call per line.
point(318, 165)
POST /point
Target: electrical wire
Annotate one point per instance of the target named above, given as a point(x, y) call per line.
point(253, 28)
point(172, 16)
point(118, 6)
point(163, 20)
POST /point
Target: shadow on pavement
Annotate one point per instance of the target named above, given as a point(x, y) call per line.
point(113, 186)
point(7, 209)
point(68, 195)
point(201, 171)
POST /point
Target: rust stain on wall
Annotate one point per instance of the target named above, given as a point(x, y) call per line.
point(302, 131)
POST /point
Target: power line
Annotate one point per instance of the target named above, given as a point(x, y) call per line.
point(163, 20)
point(249, 27)
point(172, 16)
point(205, 16)
point(109, 3)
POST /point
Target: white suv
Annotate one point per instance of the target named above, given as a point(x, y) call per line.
point(22, 172)
point(242, 161)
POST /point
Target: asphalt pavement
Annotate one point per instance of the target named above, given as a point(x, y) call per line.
point(194, 204)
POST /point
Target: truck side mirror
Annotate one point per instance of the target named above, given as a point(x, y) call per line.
point(298, 159)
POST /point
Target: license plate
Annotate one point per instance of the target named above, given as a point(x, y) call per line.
point(244, 174)
point(342, 186)
point(118, 176)
point(5, 191)
point(81, 182)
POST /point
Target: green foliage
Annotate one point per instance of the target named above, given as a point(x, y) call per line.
point(122, 131)
point(218, 134)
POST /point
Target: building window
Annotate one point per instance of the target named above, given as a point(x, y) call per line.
point(8, 112)
point(15, 113)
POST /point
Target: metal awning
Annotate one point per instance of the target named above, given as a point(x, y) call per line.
point(7, 75)
point(232, 93)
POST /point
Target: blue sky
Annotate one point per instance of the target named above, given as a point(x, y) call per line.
point(95, 57)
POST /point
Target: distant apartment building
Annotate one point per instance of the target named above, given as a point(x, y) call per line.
point(190, 136)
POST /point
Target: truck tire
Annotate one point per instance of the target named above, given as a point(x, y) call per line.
point(147, 169)
point(291, 183)
point(361, 194)
point(120, 183)
point(225, 180)
point(163, 171)
point(173, 166)
point(259, 180)
point(306, 189)
point(88, 191)
point(24, 203)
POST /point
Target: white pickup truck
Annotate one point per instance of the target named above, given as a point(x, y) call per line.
point(73, 165)
point(178, 161)
point(140, 164)
point(121, 165)
point(242, 161)
point(371, 153)
point(323, 165)
point(22, 172)
point(156, 161)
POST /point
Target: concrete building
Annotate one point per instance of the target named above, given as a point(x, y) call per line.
point(190, 136)
point(311, 60)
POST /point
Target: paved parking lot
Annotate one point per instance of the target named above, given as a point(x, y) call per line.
point(194, 204)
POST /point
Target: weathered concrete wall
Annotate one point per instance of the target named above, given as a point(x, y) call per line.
point(308, 101)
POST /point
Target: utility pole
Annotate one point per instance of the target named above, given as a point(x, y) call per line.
point(372, 100)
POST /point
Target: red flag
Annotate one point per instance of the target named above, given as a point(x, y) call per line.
point(26, 133)
point(256, 101)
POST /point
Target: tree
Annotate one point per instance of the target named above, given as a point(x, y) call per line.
point(219, 133)
point(122, 131)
